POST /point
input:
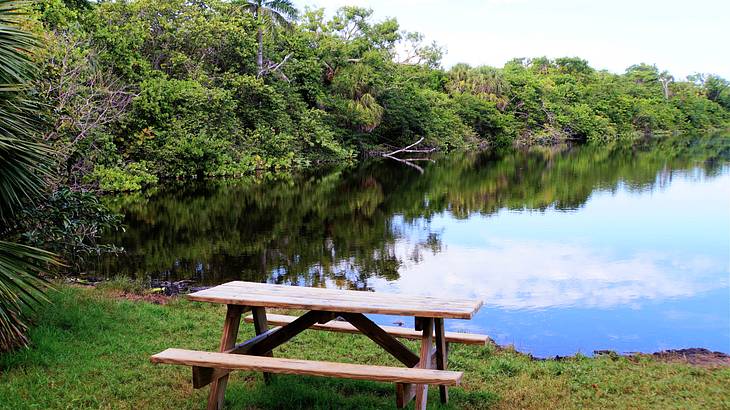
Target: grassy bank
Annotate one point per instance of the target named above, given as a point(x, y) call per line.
point(91, 351)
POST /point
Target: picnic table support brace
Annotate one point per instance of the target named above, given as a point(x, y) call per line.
point(441, 356)
point(258, 345)
point(262, 326)
point(425, 362)
point(392, 345)
point(228, 339)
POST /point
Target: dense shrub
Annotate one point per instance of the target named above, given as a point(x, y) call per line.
point(178, 93)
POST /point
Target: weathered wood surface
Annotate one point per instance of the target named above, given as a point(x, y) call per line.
point(391, 345)
point(307, 367)
point(285, 333)
point(295, 297)
point(202, 376)
point(425, 363)
point(402, 332)
point(228, 340)
point(441, 355)
point(405, 392)
point(261, 326)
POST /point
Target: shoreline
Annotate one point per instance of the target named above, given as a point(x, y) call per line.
point(85, 334)
point(166, 292)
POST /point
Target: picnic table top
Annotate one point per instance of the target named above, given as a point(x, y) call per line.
point(336, 300)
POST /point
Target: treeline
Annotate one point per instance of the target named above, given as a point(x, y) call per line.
point(142, 90)
point(343, 225)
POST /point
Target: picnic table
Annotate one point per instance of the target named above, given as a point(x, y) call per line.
point(329, 310)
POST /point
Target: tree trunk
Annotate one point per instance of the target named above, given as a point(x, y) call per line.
point(260, 55)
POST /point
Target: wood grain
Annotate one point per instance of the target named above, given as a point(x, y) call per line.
point(390, 344)
point(405, 392)
point(202, 376)
point(295, 297)
point(285, 333)
point(402, 332)
point(441, 356)
point(307, 367)
point(228, 340)
point(425, 363)
point(261, 326)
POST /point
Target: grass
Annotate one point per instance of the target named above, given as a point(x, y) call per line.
point(90, 350)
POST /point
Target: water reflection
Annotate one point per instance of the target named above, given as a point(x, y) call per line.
point(542, 234)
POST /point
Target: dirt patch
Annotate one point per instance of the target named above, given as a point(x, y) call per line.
point(694, 356)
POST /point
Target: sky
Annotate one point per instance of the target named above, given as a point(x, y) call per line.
point(683, 37)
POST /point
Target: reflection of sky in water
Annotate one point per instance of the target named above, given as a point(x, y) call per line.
point(637, 269)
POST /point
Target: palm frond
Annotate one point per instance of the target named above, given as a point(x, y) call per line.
point(273, 19)
point(22, 168)
point(284, 8)
point(21, 289)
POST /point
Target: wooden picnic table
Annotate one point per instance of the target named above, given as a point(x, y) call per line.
point(326, 310)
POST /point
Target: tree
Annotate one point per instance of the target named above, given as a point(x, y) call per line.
point(269, 14)
point(23, 163)
point(718, 90)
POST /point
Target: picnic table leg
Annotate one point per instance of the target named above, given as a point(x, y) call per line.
point(441, 356)
point(426, 325)
point(228, 340)
point(261, 325)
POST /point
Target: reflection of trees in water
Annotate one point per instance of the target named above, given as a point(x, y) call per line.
point(341, 228)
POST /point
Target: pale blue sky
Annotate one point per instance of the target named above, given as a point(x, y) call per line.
point(683, 37)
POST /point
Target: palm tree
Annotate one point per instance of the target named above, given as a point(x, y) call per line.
point(23, 164)
point(269, 14)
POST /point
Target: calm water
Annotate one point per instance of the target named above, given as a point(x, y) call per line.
point(572, 249)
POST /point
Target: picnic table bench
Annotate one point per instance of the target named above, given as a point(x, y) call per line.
point(329, 310)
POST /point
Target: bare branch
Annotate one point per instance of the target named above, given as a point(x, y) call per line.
point(390, 154)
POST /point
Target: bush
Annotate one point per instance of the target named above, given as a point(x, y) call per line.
point(133, 177)
point(69, 223)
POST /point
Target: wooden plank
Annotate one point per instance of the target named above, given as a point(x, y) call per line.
point(425, 363)
point(228, 339)
point(330, 294)
point(336, 300)
point(261, 326)
point(202, 376)
point(285, 333)
point(441, 356)
point(307, 367)
point(418, 324)
point(402, 332)
point(405, 392)
point(368, 328)
point(243, 348)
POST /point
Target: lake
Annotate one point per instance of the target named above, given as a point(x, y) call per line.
point(572, 249)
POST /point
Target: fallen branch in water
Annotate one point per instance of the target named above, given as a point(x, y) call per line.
point(408, 149)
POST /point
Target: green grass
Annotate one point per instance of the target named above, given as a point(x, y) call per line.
point(91, 351)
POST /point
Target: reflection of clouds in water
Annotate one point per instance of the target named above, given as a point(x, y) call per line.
point(535, 275)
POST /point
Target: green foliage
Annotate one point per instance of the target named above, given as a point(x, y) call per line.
point(216, 88)
point(69, 223)
point(548, 101)
point(133, 177)
point(285, 225)
point(180, 126)
point(23, 164)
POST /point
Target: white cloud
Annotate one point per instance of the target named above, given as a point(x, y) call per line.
point(537, 275)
